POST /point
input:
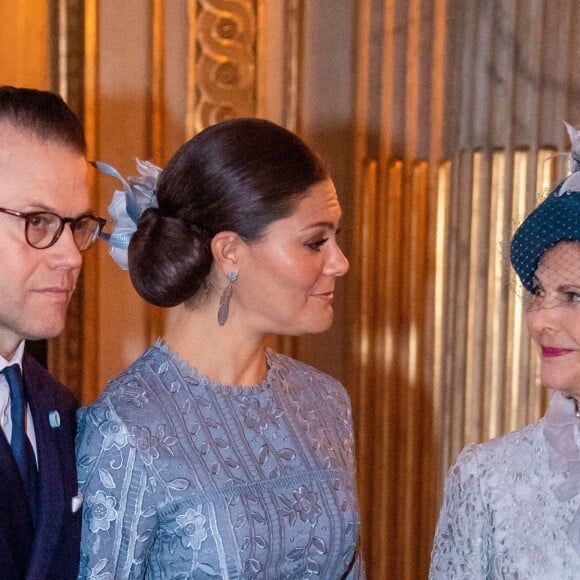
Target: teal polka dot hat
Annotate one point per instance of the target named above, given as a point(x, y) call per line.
point(555, 220)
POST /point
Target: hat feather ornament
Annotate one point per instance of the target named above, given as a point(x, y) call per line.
point(573, 182)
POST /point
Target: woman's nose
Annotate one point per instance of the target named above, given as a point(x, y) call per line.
point(338, 264)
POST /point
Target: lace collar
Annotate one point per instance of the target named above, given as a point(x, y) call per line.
point(191, 374)
point(562, 432)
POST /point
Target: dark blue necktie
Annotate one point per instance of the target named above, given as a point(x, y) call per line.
point(19, 442)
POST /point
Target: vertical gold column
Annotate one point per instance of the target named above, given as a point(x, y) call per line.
point(510, 409)
point(441, 418)
point(191, 76)
point(90, 386)
point(494, 346)
point(416, 402)
point(155, 316)
point(293, 58)
point(362, 268)
point(382, 424)
point(476, 299)
point(72, 356)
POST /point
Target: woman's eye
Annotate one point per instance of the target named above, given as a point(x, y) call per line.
point(317, 244)
point(573, 296)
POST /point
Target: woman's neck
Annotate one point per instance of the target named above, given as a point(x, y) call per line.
point(222, 353)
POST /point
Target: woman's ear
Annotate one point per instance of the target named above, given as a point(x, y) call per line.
point(225, 247)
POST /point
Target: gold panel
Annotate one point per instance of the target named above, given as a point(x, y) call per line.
point(226, 61)
point(72, 356)
point(157, 80)
point(90, 385)
point(441, 245)
point(367, 271)
point(25, 43)
point(474, 374)
point(415, 402)
point(362, 305)
point(459, 268)
point(389, 244)
point(155, 317)
point(293, 60)
point(513, 409)
point(392, 268)
point(191, 74)
point(494, 335)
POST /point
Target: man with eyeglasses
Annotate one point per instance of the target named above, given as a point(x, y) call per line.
point(45, 224)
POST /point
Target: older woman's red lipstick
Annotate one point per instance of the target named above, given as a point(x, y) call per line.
point(551, 351)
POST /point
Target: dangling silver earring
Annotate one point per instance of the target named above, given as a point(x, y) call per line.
point(224, 308)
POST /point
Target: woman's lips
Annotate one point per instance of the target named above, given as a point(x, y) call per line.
point(328, 296)
point(551, 351)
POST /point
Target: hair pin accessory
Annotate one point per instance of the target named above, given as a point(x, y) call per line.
point(128, 205)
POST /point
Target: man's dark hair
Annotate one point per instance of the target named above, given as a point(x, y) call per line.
point(42, 114)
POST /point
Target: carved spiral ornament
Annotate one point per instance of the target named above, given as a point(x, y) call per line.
point(226, 36)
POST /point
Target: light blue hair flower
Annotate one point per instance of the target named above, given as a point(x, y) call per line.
point(128, 205)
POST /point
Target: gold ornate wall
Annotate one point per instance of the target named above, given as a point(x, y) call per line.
point(458, 112)
point(439, 118)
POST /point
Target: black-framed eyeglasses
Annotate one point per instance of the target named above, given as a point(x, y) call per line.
point(42, 229)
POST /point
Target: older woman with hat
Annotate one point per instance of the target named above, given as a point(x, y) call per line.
point(512, 505)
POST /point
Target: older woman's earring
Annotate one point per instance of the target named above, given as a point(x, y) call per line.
point(224, 308)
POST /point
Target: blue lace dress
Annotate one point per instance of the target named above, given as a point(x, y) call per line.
point(185, 478)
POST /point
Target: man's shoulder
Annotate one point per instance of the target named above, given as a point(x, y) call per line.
point(35, 374)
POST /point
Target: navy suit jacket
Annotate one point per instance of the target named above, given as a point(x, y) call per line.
point(52, 551)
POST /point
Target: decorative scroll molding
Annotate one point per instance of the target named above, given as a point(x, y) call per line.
point(225, 63)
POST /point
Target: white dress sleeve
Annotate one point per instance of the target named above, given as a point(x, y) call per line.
point(461, 545)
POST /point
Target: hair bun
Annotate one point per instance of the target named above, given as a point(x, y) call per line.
point(168, 260)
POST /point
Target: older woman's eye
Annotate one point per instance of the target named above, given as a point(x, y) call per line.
point(573, 296)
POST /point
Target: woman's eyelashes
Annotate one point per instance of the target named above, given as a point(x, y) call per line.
point(319, 241)
point(317, 244)
point(572, 295)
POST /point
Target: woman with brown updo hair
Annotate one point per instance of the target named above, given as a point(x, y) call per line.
point(212, 456)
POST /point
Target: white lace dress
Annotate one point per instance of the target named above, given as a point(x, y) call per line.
point(511, 505)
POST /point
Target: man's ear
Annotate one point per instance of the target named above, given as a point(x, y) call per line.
point(224, 247)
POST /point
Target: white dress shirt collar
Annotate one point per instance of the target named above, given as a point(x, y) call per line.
point(16, 358)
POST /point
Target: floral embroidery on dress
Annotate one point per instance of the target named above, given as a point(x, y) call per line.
point(113, 431)
point(258, 417)
point(147, 444)
point(304, 504)
point(191, 529)
point(100, 511)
